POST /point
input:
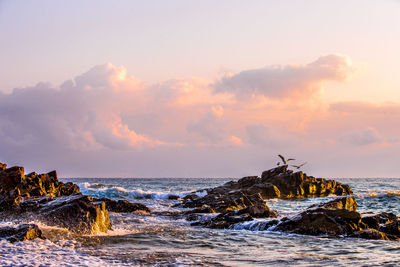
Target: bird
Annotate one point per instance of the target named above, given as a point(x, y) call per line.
point(284, 161)
point(299, 166)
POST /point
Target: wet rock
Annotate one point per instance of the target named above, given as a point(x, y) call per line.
point(370, 234)
point(77, 213)
point(375, 220)
point(322, 221)
point(122, 205)
point(203, 209)
point(21, 233)
point(229, 218)
point(275, 183)
point(392, 228)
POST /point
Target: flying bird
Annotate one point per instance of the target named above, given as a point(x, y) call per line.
point(284, 161)
point(299, 166)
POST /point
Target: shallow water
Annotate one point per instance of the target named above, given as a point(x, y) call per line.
point(159, 241)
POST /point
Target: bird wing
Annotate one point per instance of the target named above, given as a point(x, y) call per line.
point(295, 166)
point(301, 165)
point(282, 158)
point(290, 159)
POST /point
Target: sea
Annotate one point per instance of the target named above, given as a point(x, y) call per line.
point(138, 240)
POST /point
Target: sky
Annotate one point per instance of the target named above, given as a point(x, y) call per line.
point(174, 88)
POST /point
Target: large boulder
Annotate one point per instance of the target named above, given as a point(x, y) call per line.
point(77, 213)
point(21, 233)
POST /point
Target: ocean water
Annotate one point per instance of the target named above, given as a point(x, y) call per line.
point(162, 241)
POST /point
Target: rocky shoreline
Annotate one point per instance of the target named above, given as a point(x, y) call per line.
point(42, 197)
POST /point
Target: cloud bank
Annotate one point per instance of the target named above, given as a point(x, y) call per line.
point(106, 122)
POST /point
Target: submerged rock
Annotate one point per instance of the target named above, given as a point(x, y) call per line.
point(21, 233)
point(122, 205)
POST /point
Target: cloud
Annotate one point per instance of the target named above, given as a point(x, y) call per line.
point(362, 138)
point(83, 114)
point(300, 81)
point(106, 122)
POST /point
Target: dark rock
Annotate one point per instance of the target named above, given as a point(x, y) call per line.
point(392, 228)
point(173, 197)
point(15, 186)
point(123, 205)
point(374, 221)
point(203, 209)
point(21, 233)
point(77, 213)
point(275, 183)
point(370, 234)
point(348, 203)
point(229, 218)
point(322, 221)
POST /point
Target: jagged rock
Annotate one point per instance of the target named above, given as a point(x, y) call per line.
point(339, 217)
point(21, 233)
point(16, 186)
point(229, 218)
point(77, 213)
point(123, 205)
point(275, 183)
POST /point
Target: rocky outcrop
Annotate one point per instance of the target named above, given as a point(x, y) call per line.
point(326, 219)
point(42, 197)
point(21, 233)
point(339, 217)
point(122, 205)
point(275, 183)
point(16, 186)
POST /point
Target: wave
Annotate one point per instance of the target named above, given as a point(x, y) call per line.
point(372, 194)
point(112, 191)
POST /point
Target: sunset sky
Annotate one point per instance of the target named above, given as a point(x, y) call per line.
point(200, 88)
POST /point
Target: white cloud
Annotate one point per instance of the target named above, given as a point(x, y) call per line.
point(300, 81)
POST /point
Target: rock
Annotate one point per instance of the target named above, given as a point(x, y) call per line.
point(3, 166)
point(16, 186)
point(21, 233)
point(392, 228)
point(275, 183)
point(123, 205)
point(322, 221)
point(370, 234)
point(229, 218)
point(374, 221)
point(77, 213)
point(202, 209)
point(173, 197)
point(348, 203)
